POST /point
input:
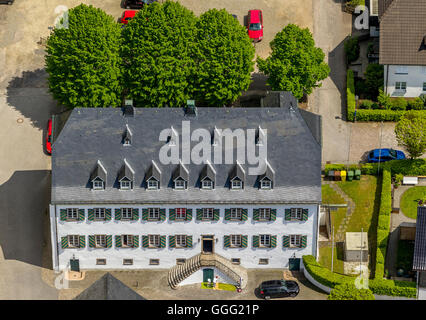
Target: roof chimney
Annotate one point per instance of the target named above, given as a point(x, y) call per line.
point(128, 109)
point(190, 109)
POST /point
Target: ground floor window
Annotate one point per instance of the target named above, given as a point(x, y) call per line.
point(100, 262)
point(235, 260)
point(295, 240)
point(74, 241)
point(180, 261)
point(180, 240)
point(235, 240)
point(127, 240)
point(401, 86)
point(127, 262)
point(263, 261)
point(154, 262)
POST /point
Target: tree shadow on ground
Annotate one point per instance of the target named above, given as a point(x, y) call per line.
point(337, 64)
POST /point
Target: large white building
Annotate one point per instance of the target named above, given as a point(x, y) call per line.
point(115, 205)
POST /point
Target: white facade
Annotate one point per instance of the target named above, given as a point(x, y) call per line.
point(405, 81)
point(249, 256)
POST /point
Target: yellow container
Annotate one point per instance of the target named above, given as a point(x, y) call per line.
point(343, 175)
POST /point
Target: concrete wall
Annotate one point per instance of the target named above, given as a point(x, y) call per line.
point(197, 277)
point(278, 257)
point(415, 77)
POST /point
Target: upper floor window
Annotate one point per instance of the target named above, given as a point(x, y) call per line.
point(127, 240)
point(154, 213)
point(401, 70)
point(98, 185)
point(72, 213)
point(295, 240)
point(237, 184)
point(235, 240)
point(208, 213)
point(265, 184)
point(74, 241)
point(296, 213)
point(99, 213)
point(236, 213)
point(152, 184)
point(264, 214)
point(100, 240)
point(180, 184)
point(424, 86)
point(265, 240)
point(207, 184)
point(126, 213)
point(180, 240)
point(154, 240)
point(180, 213)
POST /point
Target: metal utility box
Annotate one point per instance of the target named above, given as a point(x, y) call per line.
point(354, 251)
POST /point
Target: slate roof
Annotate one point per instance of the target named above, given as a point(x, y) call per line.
point(402, 29)
point(126, 171)
point(208, 172)
point(98, 172)
point(94, 133)
point(419, 259)
point(153, 172)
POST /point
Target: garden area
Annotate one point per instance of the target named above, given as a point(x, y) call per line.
point(410, 200)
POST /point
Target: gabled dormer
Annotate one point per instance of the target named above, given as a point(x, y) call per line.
point(173, 137)
point(266, 180)
point(237, 177)
point(217, 136)
point(208, 177)
point(153, 177)
point(126, 176)
point(260, 136)
point(127, 136)
point(98, 176)
point(180, 177)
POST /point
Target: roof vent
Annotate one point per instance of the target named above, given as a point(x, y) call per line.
point(128, 109)
point(190, 109)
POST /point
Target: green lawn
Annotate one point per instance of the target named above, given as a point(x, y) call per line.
point(329, 196)
point(222, 286)
point(325, 258)
point(409, 200)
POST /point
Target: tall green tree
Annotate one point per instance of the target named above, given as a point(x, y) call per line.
point(350, 292)
point(158, 55)
point(224, 58)
point(410, 132)
point(295, 64)
point(374, 76)
point(83, 60)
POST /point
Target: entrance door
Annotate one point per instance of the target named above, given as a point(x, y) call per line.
point(294, 264)
point(208, 244)
point(208, 274)
point(75, 265)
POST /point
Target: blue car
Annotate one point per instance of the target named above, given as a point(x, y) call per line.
point(385, 155)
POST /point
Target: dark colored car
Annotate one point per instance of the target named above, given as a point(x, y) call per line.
point(383, 155)
point(6, 1)
point(278, 289)
point(137, 4)
point(49, 137)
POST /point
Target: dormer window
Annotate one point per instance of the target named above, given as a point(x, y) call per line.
point(126, 142)
point(152, 184)
point(153, 177)
point(173, 137)
point(180, 177)
point(127, 138)
point(237, 184)
point(98, 184)
point(266, 180)
point(208, 176)
point(180, 184)
point(125, 184)
point(207, 184)
point(126, 176)
point(265, 184)
point(98, 177)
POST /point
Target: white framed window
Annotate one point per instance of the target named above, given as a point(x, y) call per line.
point(208, 213)
point(100, 262)
point(235, 240)
point(154, 240)
point(402, 86)
point(401, 70)
point(100, 240)
point(99, 213)
point(180, 213)
point(263, 261)
point(424, 86)
point(237, 184)
point(98, 185)
point(265, 214)
point(127, 262)
point(265, 184)
point(295, 240)
point(296, 213)
point(72, 213)
point(154, 262)
point(180, 240)
point(152, 184)
point(265, 240)
point(236, 213)
point(207, 184)
point(74, 241)
point(127, 240)
point(125, 185)
point(180, 184)
point(236, 260)
point(126, 142)
point(153, 213)
point(126, 213)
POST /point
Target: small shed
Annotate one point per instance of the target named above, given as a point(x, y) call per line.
point(356, 246)
point(407, 231)
point(410, 180)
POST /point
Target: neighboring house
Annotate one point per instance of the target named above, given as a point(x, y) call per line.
point(419, 259)
point(114, 205)
point(403, 46)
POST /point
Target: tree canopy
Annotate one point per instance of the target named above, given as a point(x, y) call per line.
point(224, 58)
point(350, 292)
point(295, 64)
point(83, 60)
point(410, 132)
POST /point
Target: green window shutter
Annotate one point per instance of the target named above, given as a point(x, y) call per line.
point(305, 214)
point(81, 215)
point(135, 214)
point(162, 241)
point(108, 214)
point(199, 214)
point(226, 241)
point(273, 214)
point(244, 241)
point(188, 214)
point(244, 214)
point(287, 214)
point(145, 214)
point(189, 241)
point(82, 242)
point(304, 242)
point(172, 242)
point(216, 214)
point(228, 214)
point(172, 214)
point(162, 214)
point(91, 214)
point(64, 242)
point(63, 215)
point(256, 214)
point(273, 241)
point(145, 241)
point(118, 241)
point(255, 241)
point(108, 241)
point(135, 241)
point(117, 214)
point(92, 242)
point(286, 241)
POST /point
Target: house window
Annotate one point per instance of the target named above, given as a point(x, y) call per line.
point(295, 240)
point(100, 241)
point(126, 142)
point(180, 184)
point(296, 213)
point(237, 184)
point(74, 241)
point(401, 70)
point(401, 86)
point(180, 261)
point(127, 240)
point(154, 213)
point(127, 262)
point(154, 262)
point(152, 184)
point(98, 185)
point(125, 185)
point(235, 260)
point(263, 261)
point(264, 214)
point(207, 184)
point(265, 240)
point(207, 213)
point(424, 86)
point(100, 262)
point(180, 240)
point(72, 214)
point(126, 213)
point(265, 184)
point(180, 213)
point(236, 213)
point(154, 240)
point(235, 240)
point(99, 213)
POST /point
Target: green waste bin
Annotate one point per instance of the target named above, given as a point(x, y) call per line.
point(357, 174)
point(350, 175)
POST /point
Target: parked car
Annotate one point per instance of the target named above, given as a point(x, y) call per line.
point(278, 289)
point(136, 4)
point(255, 25)
point(127, 16)
point(49, 137)
point(385, 155)
point(6, 1)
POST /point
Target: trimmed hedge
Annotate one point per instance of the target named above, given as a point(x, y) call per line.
point(350, 292)
point(393, 288)
point(366, 168)
point(350, 95)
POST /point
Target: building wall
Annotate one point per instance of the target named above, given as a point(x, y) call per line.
point(197, 277)
point(278, 257)
point(414, 78)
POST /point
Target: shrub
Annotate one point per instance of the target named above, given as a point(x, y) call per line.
point(350, 292)
point(416, 104)
point(416, 167)
point(393, 288)
point(399, 104)
point(366, 104)
point(350, 95)
point(398, 179)
point(384, 100)
point(369, 168)
point(334, 167)
point(374, 79)
point(375, 106)
point(352, 49)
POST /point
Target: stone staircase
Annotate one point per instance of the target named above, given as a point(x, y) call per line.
point(180, 272)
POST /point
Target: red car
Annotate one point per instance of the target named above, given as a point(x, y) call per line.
point(49, 137)
point(127, 16)
point(255, 25)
